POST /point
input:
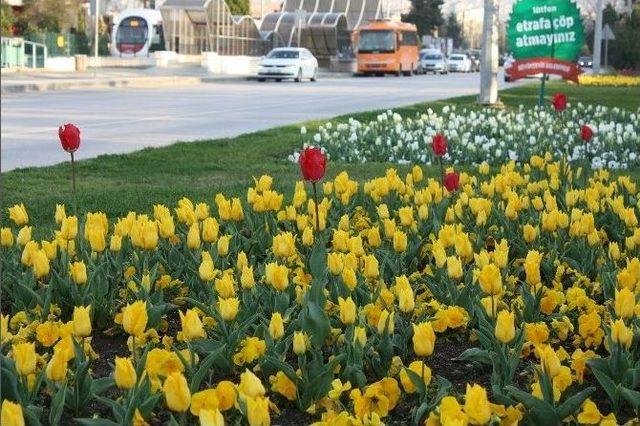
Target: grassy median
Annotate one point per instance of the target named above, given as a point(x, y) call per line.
point(117, 184)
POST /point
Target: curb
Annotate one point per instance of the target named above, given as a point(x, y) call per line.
point(134, 82)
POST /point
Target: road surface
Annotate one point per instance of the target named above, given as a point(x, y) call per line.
point(125, 119)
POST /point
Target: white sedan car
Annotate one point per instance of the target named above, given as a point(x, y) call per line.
point(288, 62)
point(460, 62)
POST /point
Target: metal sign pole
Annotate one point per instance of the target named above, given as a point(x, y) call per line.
point(96, 38)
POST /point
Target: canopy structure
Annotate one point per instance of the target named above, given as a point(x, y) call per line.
point(327, 24)
point(195, 26)
point(324, 26)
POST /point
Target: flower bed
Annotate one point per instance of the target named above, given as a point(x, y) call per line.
point(493, 136)
point(610, 80)
point(514, 297)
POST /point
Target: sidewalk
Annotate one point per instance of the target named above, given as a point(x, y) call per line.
point(38, 81)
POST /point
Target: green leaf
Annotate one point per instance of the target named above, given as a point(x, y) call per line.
point(477, 355)
point(57, 405)
point(540, 412)
point(609, 386)
point(571, 405)
point(316, 324)
point(101, 385)
point(632, 396)
point(96, 422)
point(205, 366)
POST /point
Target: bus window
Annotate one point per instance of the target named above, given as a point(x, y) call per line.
point(409, 38)
point(377, 41)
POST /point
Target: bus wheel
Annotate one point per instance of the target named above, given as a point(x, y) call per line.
point(409, 73)
point(399, 72)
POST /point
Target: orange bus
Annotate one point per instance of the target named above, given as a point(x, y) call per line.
point(385, 46)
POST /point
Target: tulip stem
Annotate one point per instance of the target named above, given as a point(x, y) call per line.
point(73, 182)
point(441, 175)
point(315, 199)
point(133, 349)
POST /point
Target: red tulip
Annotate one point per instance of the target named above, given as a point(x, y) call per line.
point(586, 133)
point(559, 102)
point(313, 164)
point(452, 181)
point(439, 144)
point(69, 137)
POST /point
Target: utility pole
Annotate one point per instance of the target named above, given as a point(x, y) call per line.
point(597, 38)
point(96, 33)
point(489, 55)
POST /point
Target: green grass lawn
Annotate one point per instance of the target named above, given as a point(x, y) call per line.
point(116, 184)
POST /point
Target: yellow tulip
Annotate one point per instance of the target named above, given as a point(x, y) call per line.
point(124, 374)
point(299, 342)
point(228, 308)
point(621, 334)
point(135, 317)
point(371, 267)
point(211, 418)
point(24, 235)
point(529, 233)
point(69, 228)
point(399, 241)
point(386, 322)
point(24, 355)
point(210, 230)
point(78, 272)
point(258, 411)
point(247, 279)
point(454, 268)
point(57, 367)
point(176, 392)
point(60, 214)
point(47, 333)
point(490, 279)
point(347, 310)
point(82, 321)
point(532, 268)
point(549, 360)
point(193, 236)
point(40, 263)
point(277, 276)
point(451, 412)
point(6, 237)
point(223, 245)
point(360, 336)
point(283, 245)
point(11, 414)
point(625, 303)
point(191, 325)
point(307, 237)
point(505, 328)
point(476, 405)
point(18, 214)
point(419, 368)
point(276, 326)
point(206, 270)
point(115, 244)
point(424, 339)
point(50, 248)
point(250, 385)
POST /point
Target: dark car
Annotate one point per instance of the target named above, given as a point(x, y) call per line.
point(585, 61)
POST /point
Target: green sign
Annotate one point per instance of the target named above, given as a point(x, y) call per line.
point(545, 28)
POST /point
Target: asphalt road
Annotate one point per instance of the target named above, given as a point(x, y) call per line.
point(125, 119)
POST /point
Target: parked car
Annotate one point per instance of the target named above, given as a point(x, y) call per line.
point(288, 63)
point(474, 55)
point(460, 62)
point(585, 62)
point(433, 60)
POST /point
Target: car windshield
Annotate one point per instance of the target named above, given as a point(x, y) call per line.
point(457, 58)
point(377, 41)
point(132, 30)
point(283, 54)
point(432, 56)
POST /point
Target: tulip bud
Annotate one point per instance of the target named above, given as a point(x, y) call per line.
point(193, 237)
point(57, 367)
point(276, 326)
point(69, 136)
point(69, 227)
point(115, 244)
point(228, 308)
point(490, 279)
point(124, 374)
point(299, 343)
point(347, 310)
point(78, 272)
point(6, 237)
point(134, 318)
point(191, 325)
point(246, 279)
point(505, 328)
point(24, 355)
point(625, 303)
point(11, 414)
point(18, 214)
point(223, 245)
point(82, 321)
point(176, 392)
point(313, 164)
point(24, 236)
point(424, 339)
point(386, 322)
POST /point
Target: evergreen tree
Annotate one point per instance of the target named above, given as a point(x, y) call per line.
point(425, 14)
point(239, 7)
point(452, 29)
